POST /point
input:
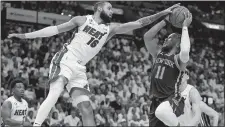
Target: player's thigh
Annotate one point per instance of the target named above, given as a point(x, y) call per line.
point(78, 88)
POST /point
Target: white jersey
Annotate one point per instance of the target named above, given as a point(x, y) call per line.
point(185, 118)
point(19, 109)
point(89, 40)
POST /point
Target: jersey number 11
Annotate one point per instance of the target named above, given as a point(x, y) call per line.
point(160, 72)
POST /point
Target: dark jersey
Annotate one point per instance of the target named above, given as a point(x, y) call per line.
point(205, 121)
point(164, 76)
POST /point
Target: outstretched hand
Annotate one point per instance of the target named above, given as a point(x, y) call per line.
point(170, 9)
point(21, 36)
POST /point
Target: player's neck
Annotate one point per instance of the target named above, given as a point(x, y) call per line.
point(18, 98)
point(97, 19)
point(183, 86)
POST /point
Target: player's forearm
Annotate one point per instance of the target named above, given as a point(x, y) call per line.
point(185, 45)
point(150, 19)
point(216, 119)
point(45, 32)
point(12, 122)
point(154, 30)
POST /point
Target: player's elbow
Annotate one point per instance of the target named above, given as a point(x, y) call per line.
point(216, 115)
point(184, 56)
point(147, 37)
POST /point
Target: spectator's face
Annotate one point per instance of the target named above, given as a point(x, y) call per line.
point(101, 112)
point(55, 115)
point(18, 90)
point(73, 113)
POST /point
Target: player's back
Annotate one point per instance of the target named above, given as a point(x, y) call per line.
point(164, 76)
point(19, 109)
point(89, 39)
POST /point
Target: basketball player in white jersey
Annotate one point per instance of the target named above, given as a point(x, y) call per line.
point(14, 109)
point(169, 112)
point(68, 65)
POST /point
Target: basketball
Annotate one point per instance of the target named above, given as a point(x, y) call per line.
point(177, 17)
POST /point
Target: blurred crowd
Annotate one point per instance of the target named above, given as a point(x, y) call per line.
point(119, 76)
point(209, 11)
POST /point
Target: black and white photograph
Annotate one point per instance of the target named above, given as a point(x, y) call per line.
point(112, 63)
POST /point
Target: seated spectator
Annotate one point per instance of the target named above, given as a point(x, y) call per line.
point(100, 118)
point(72, 119)
point(54, 120)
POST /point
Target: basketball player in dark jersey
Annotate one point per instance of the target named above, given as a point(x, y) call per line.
point(169, 60)
point(208, 112)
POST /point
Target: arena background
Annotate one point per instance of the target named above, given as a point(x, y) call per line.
point(119, 74)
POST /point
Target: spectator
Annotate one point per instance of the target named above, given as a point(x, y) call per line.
point(54, 120)
point(72, 119)
point(100, 118)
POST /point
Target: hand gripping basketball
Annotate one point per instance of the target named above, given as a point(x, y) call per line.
point(188, 19)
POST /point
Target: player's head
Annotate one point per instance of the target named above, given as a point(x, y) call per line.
point(18, 88)
point(105, 10)
point(185, 76)
point(171, 42)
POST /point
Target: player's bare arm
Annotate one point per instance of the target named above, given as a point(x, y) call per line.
point(183, 56)
point(52, 30)
point(151, 42)
point(210, 112)
point(123, 28)
point(6, 115)
point(195, 100)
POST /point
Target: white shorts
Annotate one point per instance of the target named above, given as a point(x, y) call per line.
point(65, 63)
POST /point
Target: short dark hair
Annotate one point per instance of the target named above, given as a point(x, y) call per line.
point(14, 82)
point(101, 3)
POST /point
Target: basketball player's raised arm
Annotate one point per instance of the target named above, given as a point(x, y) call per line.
point(52, 30)
point(210, 112)
point(185, 44)
point(195, 100)
point(126, 27)
point(6, 114)
point(151, 42)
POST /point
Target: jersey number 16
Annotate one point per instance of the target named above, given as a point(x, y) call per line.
point(92, 42)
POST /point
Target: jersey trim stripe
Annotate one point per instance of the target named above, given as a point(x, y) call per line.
point(55, 68)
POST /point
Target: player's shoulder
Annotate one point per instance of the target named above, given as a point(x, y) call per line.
point(80, 20)
point(24, 101)
point(10, 99)
point(7, 104)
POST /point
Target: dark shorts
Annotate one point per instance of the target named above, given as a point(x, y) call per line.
point(177, 106)
point(153, 120)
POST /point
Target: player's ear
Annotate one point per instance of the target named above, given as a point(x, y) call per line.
point(100, 9)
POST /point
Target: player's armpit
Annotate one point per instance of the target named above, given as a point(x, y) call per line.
point(195, 100)
point(180, 65)
point(6, 114)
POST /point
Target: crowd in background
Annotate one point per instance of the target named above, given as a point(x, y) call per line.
point(119, 76)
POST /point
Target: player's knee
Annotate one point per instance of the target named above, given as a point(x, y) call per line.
point(58, 83)
point(85, 107)
point(161, 110)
